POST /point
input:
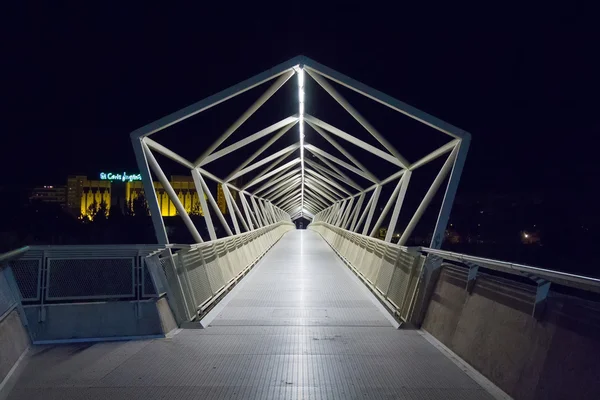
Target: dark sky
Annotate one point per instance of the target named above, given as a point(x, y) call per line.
point(523, 82)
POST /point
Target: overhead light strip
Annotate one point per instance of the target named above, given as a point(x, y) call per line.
point(300, 73)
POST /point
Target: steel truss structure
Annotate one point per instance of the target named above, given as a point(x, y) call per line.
point(284, 189)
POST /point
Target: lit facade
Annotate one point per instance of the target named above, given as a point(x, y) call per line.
point(84, 194)
point(49, 194)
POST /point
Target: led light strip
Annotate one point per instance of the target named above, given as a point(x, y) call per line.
point(300, 73)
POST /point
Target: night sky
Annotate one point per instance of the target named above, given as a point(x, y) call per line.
point(522, 82)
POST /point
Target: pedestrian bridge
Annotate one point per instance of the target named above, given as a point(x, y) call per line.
point(254, 308)
point(300, 325)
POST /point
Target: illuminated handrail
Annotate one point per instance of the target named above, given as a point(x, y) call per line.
point(561, 278)
point(11, 255)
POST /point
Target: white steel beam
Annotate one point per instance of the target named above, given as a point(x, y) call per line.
point(332, 174)
point(344, 152)
point(399, 201)
point(259, 151)
point(270, 174)
point(282, 177)
point(205, 210)
point(428, 197)
point(215, 206)
point(346, 178)
point(259, 217)
point(297, 205)
point(171, 193)
point(340, 214)
point(239, 213)
point(357, 211)
point(373, 206)
point(284, 125)
point(296, 196)
point(159, 148)
point(357, 171)
point(313, 121)
point(149, 191)
point(315, 198)
point(273, 191)
point(435, 154)
point(319, 191)
point(295, 184)
point(229, 201)
point(247, 211)
point(327, 180)
point(325, 186)
point(347, 214)
point(310, 206)
point(251, 110)
point(361, 120)
point(215, 99)
point(280, 182)
point(281, 153)
point(444, 213)
point(384, 99)
point(264, 207)
point(386, 208)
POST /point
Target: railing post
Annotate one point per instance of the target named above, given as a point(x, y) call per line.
point(425, 286)
point(15, 293)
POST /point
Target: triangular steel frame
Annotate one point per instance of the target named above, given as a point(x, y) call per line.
point(285, 189)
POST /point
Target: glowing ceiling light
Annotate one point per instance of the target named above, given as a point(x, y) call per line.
point(300, 73)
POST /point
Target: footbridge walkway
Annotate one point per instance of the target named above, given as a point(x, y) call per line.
point(363, 304)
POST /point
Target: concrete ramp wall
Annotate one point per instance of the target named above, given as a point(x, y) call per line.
point(14, 341)
point(555, 357)
point(100, 321)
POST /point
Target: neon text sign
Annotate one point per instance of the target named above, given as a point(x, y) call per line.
point(124, 177)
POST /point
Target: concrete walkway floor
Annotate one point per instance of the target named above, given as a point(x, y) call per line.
point(299, 326)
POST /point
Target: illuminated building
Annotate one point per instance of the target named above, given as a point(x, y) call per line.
point(49, 194)
point(121, 189)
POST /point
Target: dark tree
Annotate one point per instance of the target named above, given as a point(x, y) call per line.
point(101, 213)
point(140, 207)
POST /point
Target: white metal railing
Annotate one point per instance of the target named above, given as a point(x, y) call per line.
point(391, 272)
point(562, 278)
point(195, 276)
point(9, 296)
point(192, 276)
point(56, 274)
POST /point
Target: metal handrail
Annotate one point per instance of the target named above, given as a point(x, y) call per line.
point(228, 238)
point(406, 249)
point(12, 255)
point(563, 278)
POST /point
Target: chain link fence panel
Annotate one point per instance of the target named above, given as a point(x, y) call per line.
point(28, 275)
point(70, 279)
